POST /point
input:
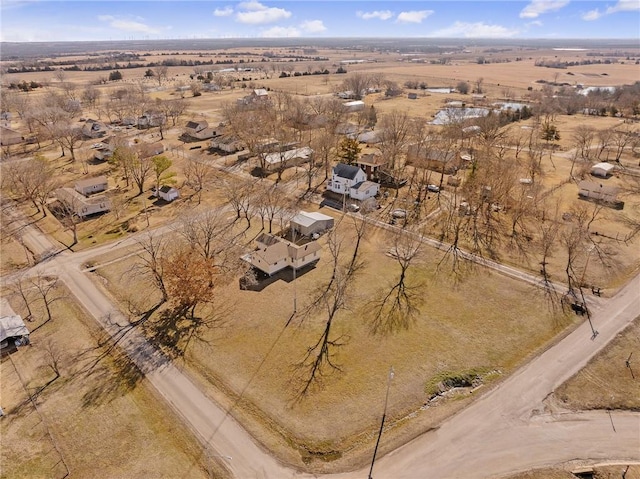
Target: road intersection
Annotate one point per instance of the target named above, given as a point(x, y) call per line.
point(507, 429)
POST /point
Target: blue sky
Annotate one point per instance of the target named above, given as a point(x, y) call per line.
point(45, 20)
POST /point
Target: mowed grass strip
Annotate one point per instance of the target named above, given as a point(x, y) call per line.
point(103, 416)
point(483, 321)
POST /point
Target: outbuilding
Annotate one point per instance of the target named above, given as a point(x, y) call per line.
point(167, 193)
point(308, 223)
point(603, 170)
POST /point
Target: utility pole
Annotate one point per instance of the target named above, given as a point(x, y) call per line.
point(384, 414)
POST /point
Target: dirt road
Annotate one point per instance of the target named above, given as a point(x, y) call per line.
point(506, 430)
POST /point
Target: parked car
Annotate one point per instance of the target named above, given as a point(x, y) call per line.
point(433, 188)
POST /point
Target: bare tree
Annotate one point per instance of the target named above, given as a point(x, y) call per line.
point(161, 72)
point(47, 288)
point(54, 356)
point(357, 83)
point(141, 169)
point(398, 308)
point(331, 298)
point(240, 194)
point(198, 175)
point(32, 180)
point(207, 233)
point(150, 264)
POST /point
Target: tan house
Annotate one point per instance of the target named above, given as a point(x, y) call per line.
point(199, 130)
point(437, 160)
point(274, 254)
point(287, 159)
point(80, 205)
point(92, 185)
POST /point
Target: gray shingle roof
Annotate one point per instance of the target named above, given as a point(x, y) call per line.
point(346, 171)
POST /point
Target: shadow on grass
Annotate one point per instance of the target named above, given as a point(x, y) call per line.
point(177, 328)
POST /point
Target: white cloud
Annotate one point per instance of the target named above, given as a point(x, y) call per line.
point(475, 30)
point(255, 13)
point(223, 12)
point(379, 14)
point(538, 7)
point(127, 25)
point(415, 16)
point(535, 23)
point(313, 26)
point(281, 32)
point(621, 6)
point(625, 6)
point(592, 15)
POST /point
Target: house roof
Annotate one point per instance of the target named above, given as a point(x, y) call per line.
point(12, 326)
point(363, 185)
point(275, 158)
point(167, 189)
point(267, 239)
point(146, 150)
point(260, 92)
point(297, 252)
point(274, 252)
point(371, 159)
point(346, 171)
point(98, 180)
point(10, 323)
point(305, 218)
point(604, 191)
point(603, 166)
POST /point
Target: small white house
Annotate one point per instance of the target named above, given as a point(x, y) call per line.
point(364, 190)
point(603, 170)
point(167, 193)
point(344, 177)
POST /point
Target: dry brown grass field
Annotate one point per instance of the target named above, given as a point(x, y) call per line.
point(248, 363)
point(461, 326)
point(99, 415)
point(607, 382)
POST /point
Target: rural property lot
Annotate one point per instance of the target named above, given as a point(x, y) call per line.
point(479, 324)
point(464, 328)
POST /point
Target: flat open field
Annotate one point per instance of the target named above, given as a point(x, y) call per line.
point(461, 326)
point(98, 415)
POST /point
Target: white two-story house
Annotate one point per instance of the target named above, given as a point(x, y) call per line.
point(344, 177)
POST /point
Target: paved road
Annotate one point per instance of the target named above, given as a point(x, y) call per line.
point(505, 430)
